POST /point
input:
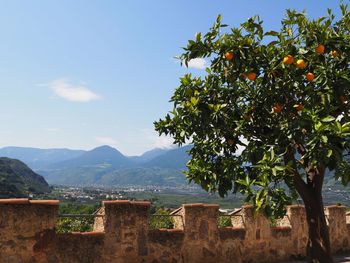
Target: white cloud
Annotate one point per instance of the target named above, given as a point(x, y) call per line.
point(107, 140)
point(163, 142)
point(197, 63)
point(77, 93)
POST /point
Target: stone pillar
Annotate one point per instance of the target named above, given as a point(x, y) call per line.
point(201, 242)
point(27, 229)
point(336, 216)
point(258, 233)
point(297, 218)
point(126, 230)
point(257, 226)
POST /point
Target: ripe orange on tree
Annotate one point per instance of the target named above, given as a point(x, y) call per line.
point(300, 64)
point(287, 60)
point(277, 108)
point(229, 55)
point(334, 53)
point(320, 49)
point(299, 107)
point(251, 76)
point(310, 76)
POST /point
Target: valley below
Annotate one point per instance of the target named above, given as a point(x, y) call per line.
point(88, 177)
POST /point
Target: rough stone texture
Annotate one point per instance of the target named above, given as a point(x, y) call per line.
point(79, 247)
point(27, 235)
point(23, 229)
point(201, 233)
point(126, 230)
point(165, 245)
point(336, 216)
point(98, 222)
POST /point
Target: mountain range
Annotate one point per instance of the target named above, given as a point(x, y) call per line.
point(18, 180)
point(104, 165)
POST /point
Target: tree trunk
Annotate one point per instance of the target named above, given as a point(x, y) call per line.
point(318, 247)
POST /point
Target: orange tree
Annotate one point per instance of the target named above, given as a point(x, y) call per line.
point(284, 98)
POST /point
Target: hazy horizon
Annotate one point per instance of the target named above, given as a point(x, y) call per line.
point(171, 147)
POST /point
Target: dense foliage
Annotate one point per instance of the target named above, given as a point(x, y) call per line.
point(283, 97)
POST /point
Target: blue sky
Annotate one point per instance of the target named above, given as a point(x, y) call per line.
point(79, 74)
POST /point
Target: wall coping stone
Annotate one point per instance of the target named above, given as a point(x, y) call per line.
point(15, 201)
point(26, 201)
point(44, 202)
point(201, 205)
point(335, 207)
point(296, 206)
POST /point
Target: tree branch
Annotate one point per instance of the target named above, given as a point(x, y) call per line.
point(299, 183)
point(319, 178)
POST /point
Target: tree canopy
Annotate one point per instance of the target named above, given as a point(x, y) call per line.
point(282, 97)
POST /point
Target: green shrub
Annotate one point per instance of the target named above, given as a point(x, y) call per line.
point(161, 220)
point(74, 224)
point(224, 221)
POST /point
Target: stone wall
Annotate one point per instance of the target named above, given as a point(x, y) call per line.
point(122, 235)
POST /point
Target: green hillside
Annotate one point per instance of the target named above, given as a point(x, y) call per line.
point(107, 176)
point(18, 180)
point(106, 166)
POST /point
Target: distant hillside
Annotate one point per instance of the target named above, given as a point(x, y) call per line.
point(17, 179)
point(103, 155)
point(149, 155)
point(39, 158)
point(174, 159)
point(105, 165)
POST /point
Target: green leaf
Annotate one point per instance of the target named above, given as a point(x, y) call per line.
point(302, 51)
point(280, 168)
point(329, 153)
point(194, 100)
point(328, 119)
point(272, 33)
